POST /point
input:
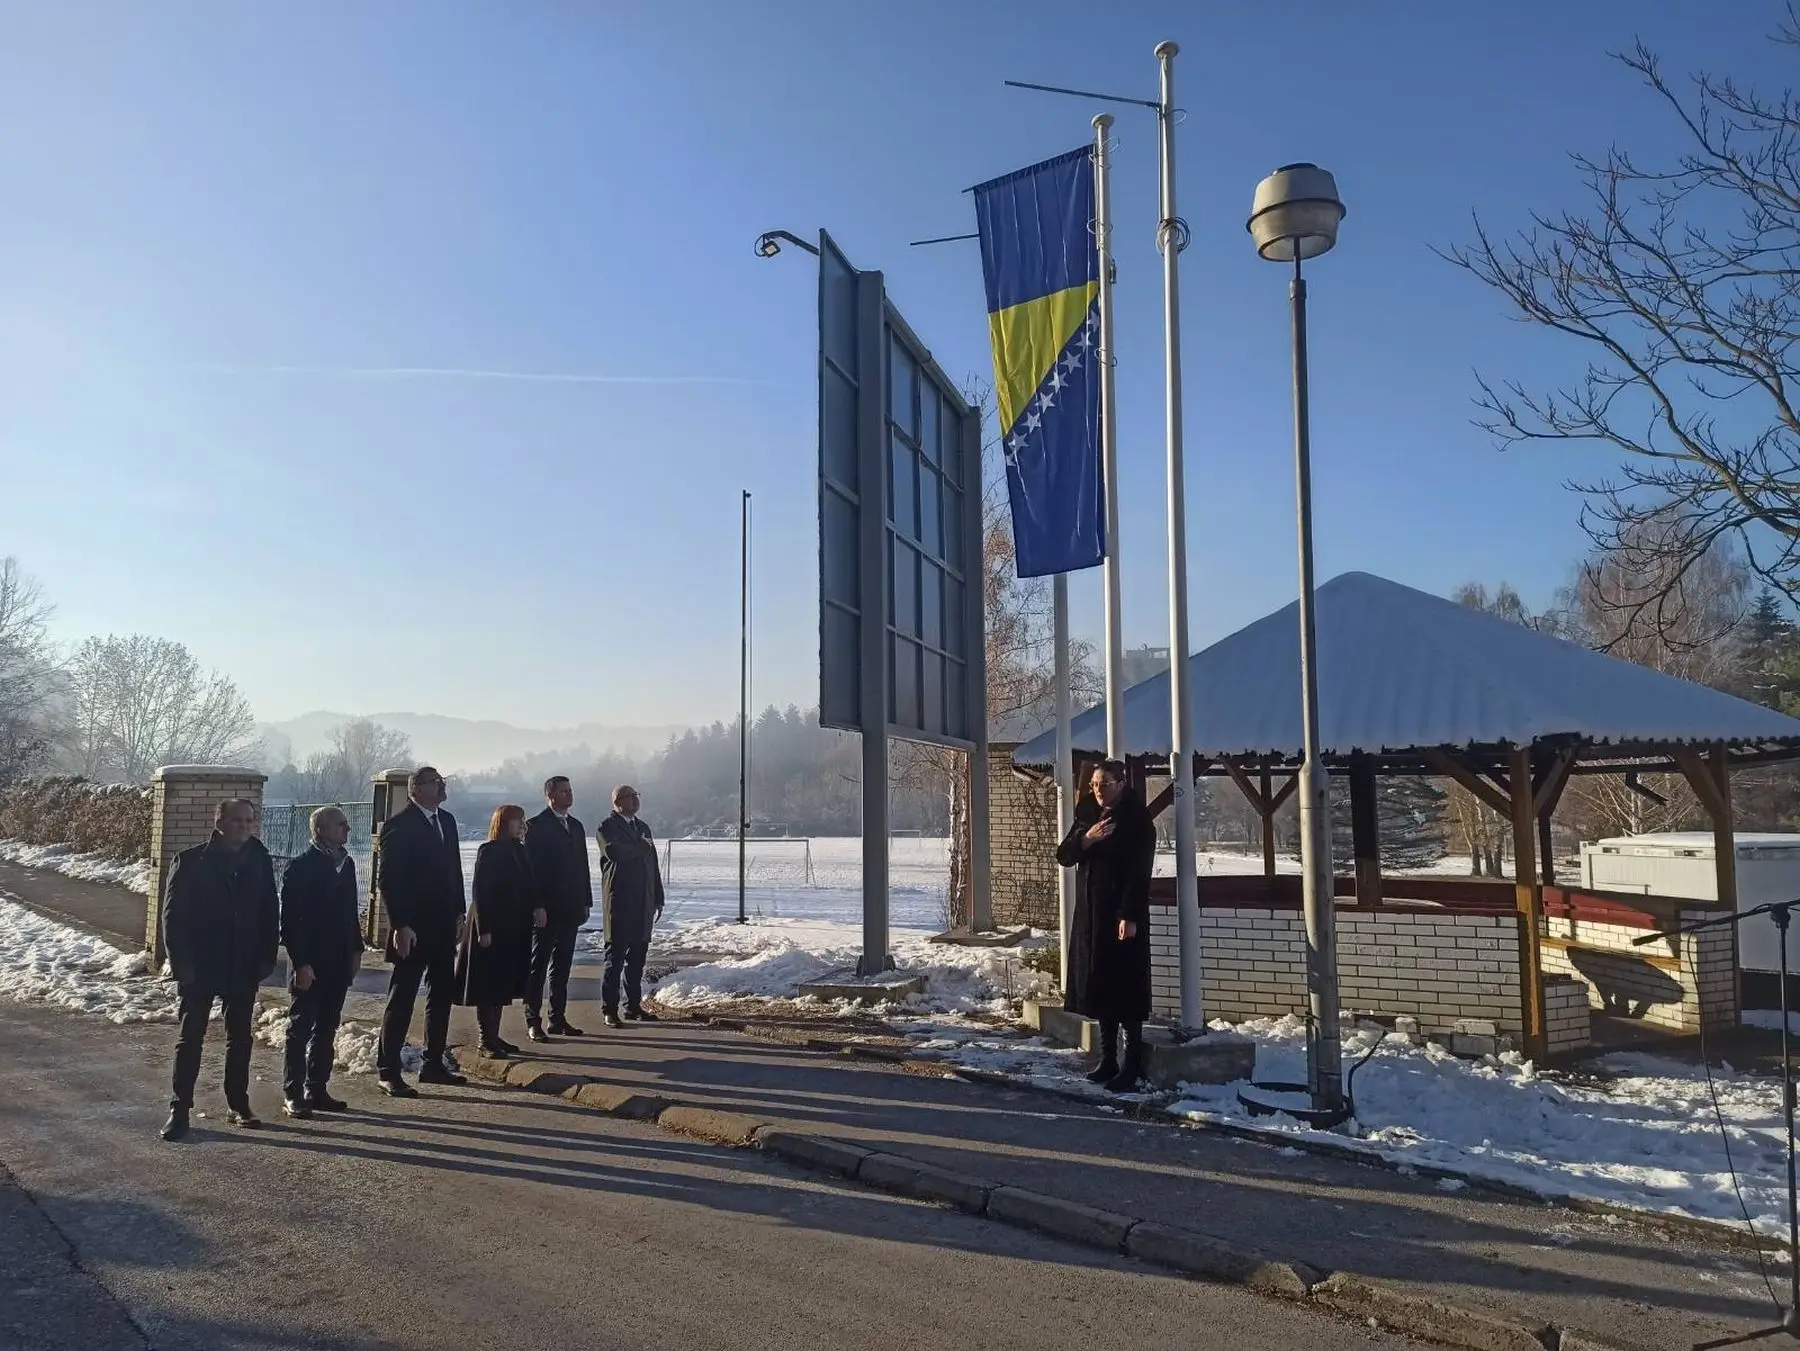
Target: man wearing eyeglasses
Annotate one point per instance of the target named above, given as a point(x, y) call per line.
point(418, 869)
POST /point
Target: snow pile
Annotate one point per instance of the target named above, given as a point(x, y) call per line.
point(353, 1051)
point(63, 859)
point(43, 962)
point(770, 959)
point(1645, 1138)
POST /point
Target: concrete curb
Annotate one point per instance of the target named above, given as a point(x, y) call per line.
point(1343, 1293)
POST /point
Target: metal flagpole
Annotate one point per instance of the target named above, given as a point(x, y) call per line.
point(1109, 438)
point(1065, 760)
point(744, 707)
point(1172, 239)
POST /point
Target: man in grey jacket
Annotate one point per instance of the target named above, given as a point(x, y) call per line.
point(633, 898)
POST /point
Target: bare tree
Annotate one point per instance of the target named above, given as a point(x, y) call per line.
point(1682, 282)
point(138, 702)
point(27, 675)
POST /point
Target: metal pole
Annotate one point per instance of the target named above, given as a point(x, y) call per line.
point(1781, 917)
point(1324, 1055)
point(1065, 761)
point(873, 548)
point(744, 706)
point(1109, 444)
point(1171, 237)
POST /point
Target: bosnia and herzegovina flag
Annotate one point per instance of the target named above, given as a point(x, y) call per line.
point(1043, 286)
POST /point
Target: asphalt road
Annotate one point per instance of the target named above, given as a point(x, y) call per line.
point(474, 1218)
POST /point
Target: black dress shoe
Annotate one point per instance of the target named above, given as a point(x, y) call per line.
point(324, 1102)
point(612, 1020)
point(536, 1033)
point(642, 1016)
point(439, 1072)
point(566, 1029)
point(298, 1108)
point(506, 1046)
point(495, 1052)
point(243, 1116)
point(1108, 1071)
point(397, 1088)
point(177, 1124)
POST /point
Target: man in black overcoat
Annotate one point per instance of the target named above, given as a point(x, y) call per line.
point(1112, 847)
point(557, 843)
point(419, 872)
point(633, 897)
point(321, 930)
point(221, 928)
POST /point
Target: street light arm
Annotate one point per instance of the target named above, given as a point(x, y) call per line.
point(768, 244)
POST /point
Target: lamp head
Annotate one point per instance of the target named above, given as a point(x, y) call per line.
point(1295, 214)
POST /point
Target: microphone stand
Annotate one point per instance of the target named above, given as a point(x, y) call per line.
point(1780, 912)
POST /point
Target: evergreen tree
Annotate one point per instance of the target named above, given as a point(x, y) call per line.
point(1410, 815)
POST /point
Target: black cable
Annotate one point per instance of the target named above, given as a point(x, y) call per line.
point(1725, 1135)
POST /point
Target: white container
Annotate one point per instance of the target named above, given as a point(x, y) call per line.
point(1682, 864)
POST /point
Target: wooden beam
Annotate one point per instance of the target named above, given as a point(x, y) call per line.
point(1283, 793)
point(1451, 767)
point(1548, 786)
point(1249, 790)
point(1365, 830)
point(1160, 803)
point(1268, 826)
point(1705, 782)
point(1529, 892)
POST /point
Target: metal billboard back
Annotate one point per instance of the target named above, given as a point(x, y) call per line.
point(899, 524)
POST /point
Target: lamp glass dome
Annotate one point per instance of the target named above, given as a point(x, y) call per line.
point(1295, 213)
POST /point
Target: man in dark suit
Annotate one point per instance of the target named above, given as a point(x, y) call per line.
point(419, 873)
point(319, 905)
point(557, 843)
point(633, 889)
point(221, 926)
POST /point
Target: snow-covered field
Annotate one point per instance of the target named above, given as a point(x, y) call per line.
point(86, 867)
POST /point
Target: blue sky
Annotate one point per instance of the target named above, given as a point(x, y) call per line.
point(231, 236)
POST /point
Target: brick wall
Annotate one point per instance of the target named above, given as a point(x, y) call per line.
point(1022, 839)
point(184, 804)
point(1438, 967)
point(1666, 983)
point(1568, 1023)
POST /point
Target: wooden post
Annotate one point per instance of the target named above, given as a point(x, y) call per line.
point(1710, 779)
point(1268, 825)
point(1365, 829)
point(1530, 899)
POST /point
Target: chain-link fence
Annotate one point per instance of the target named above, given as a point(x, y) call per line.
point(286, 828)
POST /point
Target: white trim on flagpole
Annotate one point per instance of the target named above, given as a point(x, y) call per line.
point(1172, 237)
point(1065, 760)
point(1109, 443)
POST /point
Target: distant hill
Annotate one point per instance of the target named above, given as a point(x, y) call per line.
point(463, 745)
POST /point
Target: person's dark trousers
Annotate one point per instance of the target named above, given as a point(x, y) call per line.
point(436, 966)
point(312, 1027)
point(626, 959)
point(487, 1018)
point(552, 954)
point(196, 1008)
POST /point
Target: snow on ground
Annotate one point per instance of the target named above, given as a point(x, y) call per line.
point(1644, 1137)
point(353, 1050)
point(62, 858)
point(44, 962)
point(771, 958)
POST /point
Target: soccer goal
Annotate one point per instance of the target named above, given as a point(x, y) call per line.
point(694, 863)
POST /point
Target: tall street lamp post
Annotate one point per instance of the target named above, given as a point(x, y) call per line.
point(1294, 217)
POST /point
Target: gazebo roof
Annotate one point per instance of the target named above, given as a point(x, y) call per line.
point(1402, 671)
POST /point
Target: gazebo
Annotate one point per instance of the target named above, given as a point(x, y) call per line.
point(1413, 684)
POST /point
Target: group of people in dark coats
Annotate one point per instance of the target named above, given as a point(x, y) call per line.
point(1112, 847)
point(513, 939)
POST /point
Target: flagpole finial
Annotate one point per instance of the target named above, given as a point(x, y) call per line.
point(1102, 121)
point(1167, 50)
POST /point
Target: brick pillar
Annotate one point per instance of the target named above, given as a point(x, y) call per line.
point(184, 804)
point(388, 796)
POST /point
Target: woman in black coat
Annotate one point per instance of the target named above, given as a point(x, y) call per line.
point(495, 956)
point(1112, 847)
